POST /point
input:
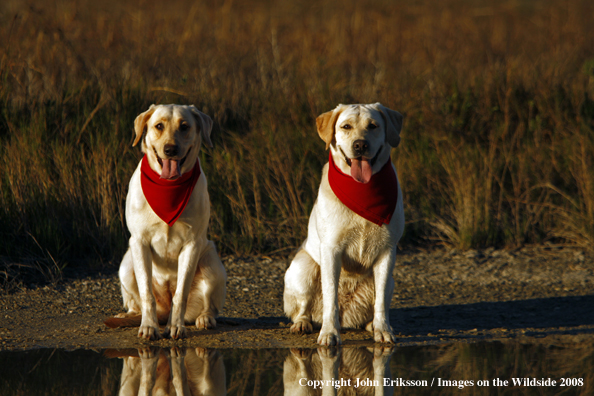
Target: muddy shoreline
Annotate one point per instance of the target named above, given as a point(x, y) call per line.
point(536, 294)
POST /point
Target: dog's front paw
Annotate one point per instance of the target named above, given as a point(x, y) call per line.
point(148, 352)
point(381, 351)
point(383, 334)
point(204, 322)
point(301, 327)
point(177, 353)
point(149, 332)
point(384, 337)
point(175, 332)
point(329, 337)
point(329, 355)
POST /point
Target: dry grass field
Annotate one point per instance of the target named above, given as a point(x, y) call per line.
point(497, 147)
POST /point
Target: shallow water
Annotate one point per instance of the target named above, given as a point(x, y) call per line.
point(475, 368)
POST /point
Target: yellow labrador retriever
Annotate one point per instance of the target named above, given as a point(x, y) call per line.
point(342, 273)
point(171, 272)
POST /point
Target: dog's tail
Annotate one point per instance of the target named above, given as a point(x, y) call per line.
point(129, 321)
point(132, 321)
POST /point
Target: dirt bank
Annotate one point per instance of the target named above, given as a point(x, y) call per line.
point(440, 296)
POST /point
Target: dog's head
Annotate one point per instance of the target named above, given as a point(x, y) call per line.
point(360, 137)
point(173, 134)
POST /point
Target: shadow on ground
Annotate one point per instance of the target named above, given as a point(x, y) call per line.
point(534, 317)
point(556, 312)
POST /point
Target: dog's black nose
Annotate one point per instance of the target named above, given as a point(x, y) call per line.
point(170, 150)
point(360, 146)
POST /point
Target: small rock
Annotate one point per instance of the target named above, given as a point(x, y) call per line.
point(471, 254)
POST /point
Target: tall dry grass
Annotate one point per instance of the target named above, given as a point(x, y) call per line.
point(496, 147)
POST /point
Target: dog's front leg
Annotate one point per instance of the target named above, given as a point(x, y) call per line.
point(330, 358)
point(384, 288)
point(149, 358)
point(178, 371)
point(143, 270)
point(381, 369)
point(330, 271)
point(186, 269)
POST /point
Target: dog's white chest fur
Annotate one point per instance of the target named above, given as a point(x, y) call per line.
point(363, 246)
point(167, 242)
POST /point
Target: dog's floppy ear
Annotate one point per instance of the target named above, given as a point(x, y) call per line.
point(393, 121)
point(140, 123)
point(326, 123)
point(204, 123)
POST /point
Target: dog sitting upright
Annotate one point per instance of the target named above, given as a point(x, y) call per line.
point(342, 274)
point(171, 272)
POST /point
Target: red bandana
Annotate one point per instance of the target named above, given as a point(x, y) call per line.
point(167, 198)
point(374, 201)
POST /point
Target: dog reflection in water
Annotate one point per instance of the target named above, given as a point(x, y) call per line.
point(177, 371)
point(337, 371)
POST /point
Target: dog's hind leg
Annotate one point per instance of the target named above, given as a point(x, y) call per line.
point(302, 287)
point(208, 291)
point(130, 292)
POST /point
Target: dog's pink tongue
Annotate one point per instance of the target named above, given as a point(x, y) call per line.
point(170, 169)
point(361, 169)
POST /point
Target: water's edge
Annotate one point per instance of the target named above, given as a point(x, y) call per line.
point(483, 366)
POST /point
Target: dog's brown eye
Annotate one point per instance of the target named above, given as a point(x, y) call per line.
point(346, 126)
point(159, 126)
point(184, 127)
point(371, 126)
